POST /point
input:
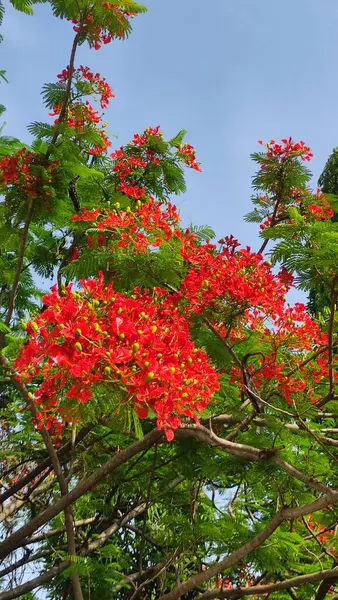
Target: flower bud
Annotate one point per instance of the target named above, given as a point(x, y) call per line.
point(150, 376)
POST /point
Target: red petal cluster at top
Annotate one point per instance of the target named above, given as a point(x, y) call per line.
point(286, 148)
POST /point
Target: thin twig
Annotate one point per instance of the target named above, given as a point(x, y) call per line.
point(150, 483)
point(22, 248)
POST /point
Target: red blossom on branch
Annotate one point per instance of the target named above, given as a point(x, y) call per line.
point(139, 345)
point(29, 172)
point(287, 148)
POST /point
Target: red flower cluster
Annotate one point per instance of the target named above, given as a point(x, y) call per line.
point(79, 117)
point(238, 278)
point(92, 32)
point(189, 155)
point(147, 227)
point(237, 282)
point(320, 209)
point(143, 140)
point(118, 10)
point(287, 149)
point(266, 223)
point(129, 168)
point(29, 173)
point(238, 285)
point(132, 160)
point(288, 338)
point(115, 26)
point(126, 165)
point(321, 534)
point(98, 338)
point(98, 84)
point(133, 191)
point(311, 207)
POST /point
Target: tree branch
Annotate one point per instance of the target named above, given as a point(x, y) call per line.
point(255, 542)
point(22, 248)
point(269, 588)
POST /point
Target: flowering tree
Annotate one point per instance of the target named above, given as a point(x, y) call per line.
point(168, 419)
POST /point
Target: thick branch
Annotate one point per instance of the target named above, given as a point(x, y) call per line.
point(255, 542)
point(325, 586)
point(51, 532)
point(248, 453)
point(269, 588)
point(67, 92)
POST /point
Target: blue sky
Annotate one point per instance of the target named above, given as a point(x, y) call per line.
point(229, 71)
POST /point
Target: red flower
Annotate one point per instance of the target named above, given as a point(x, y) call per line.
point(99, 338)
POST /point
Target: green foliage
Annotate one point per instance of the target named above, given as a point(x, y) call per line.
point(328, 180)
point(24, 6)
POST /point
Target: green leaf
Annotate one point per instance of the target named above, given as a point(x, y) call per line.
point(137, 426)
point(53, 93)
point(24, 6)
point(203, 232)
point(4, 328)
point(40, 130)
point(178, 139)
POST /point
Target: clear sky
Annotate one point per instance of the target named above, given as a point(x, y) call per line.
point(229, 71)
